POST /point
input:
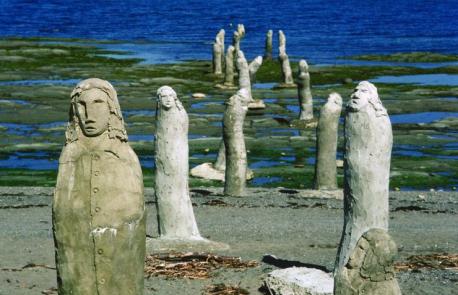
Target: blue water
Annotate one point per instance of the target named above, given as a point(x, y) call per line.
point(39, 82)
point(320, 31)
point(14, 101)
point(426, 117)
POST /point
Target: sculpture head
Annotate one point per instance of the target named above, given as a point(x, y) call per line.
point(366, 94)
point(167, 98)
point(303, 66)
point(94, 111)
point(374, 255)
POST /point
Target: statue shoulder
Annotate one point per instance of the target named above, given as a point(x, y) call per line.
point(70, 152)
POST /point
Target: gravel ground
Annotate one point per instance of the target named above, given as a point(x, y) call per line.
point(298, 227)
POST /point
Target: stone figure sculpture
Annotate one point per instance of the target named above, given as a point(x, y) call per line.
point(370, 267)
point(176, 222)
point(175, 213)
point(253, 67)
point(234, 141)
point(220, 40)
point(368, 142)
point(98, 208)
point(326, 147)
point(286, 71)
point(218, 53)
point(284, 60)
point(304, 92)
point(244, 72)
point(281, 43)
point(229, 72)
point(268, 47)
point(237, 37)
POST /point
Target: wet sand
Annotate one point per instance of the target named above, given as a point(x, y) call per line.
point(297, 226)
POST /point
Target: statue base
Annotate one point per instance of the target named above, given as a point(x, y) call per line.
point(208, 171)
point(257, 104)
point(285, 85)
point(161, 245)
point(226, 87)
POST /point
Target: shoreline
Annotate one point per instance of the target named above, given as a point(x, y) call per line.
point(34, 114)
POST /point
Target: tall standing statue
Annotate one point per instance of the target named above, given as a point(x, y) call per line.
point(370, 267)
point(220, 40)
point(229, 72)
point(284, 60)
point(237, 37)
point(268, 47)
point(304, 92)
point(98, 208)
point(253, 67)
point(247, 71)
point(326, 143)
point(368, 142)
point(176, 222)
point(218, 53)
point(234, 141)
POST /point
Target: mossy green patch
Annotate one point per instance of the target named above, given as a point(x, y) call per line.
point(408, 57)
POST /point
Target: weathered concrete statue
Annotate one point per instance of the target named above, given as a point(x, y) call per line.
point(218, 53)
point(234, 141)
point(281, 43)
point(247, 71)
point(368, 142)
point(326, 144)
point(237, 37)
point(176, 222)
point(370, 267)
point(220, 40)
point(268, 47)
point(304, 92)
point(98, 208)
point(253, 67)
point(229, 71)
point(284, 60)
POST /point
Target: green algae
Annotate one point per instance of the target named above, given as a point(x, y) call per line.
point(64, 59)
point(411, 57)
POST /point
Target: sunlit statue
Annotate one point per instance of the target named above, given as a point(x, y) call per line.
point(370, 268)
point(98, 208)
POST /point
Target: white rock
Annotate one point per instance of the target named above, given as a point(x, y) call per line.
point(198, 95)
point(299, 281)
point(256, 104)
point(339, 163)
point(207, 171)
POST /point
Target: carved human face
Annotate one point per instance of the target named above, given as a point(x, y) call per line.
point(360, 97)
point(167, 98)
point(357, 257)
point(93, 112)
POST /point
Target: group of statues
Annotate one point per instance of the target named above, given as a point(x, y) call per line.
point(99, 210)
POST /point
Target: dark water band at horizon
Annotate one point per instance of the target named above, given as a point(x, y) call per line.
point(320, 31)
